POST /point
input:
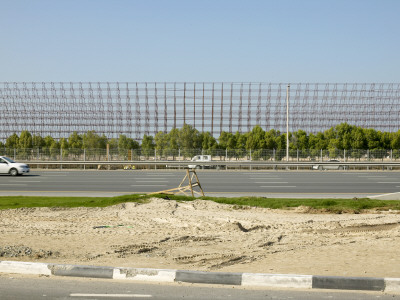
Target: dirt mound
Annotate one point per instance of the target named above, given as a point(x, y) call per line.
point(204, 235)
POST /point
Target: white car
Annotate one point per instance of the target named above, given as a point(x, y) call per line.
point(8, 166)
point(330, 166)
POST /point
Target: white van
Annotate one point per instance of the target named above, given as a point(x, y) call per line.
point(200, 158)
point(8, 166)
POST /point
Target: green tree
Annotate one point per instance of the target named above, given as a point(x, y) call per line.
point(25, 140)
point(227, 141)
point(333, 147)
point(318, 141)
point(344, 133)
point(208, 142)
point(394, 144)
point(189, 138)
point(64, 144)
point(148, 145)
point(300, 140)
point(224, 139)
point(270, 139)
point(256, 139)
point(12, 141)
point(113, 144)
point(373, 138)
point(127, 143)
point(161, 143)
point(241, 140)
point(330, 134)
point(280, 141)
point(91, 140)
point(37, 141)
point(359, 140)
point(75, 141)
point(172, 143)
point(48, 141)
point(385, 140)
point(55, 145)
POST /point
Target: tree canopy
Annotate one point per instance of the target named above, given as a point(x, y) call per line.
point(340, 137)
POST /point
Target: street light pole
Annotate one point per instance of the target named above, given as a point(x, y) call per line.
point(287, 123)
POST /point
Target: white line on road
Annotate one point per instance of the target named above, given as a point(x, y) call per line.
point(112, 295)
point(151, 181)
point(31, 181)
point(161, 175)
point(12, 184)
point(148, 185)
point(256, 178)
point(371, 176)
point(390, 182)
point(277, 186)
point(255, 173)
point(272, 182)
point(58, 172)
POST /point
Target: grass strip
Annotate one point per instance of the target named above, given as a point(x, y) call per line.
point(12, 202)
point(355, 205)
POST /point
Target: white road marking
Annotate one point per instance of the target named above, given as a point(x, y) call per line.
point(161, 175)
point(31, 181)
point(277, 186)
point(13, 184)
point(112, 295)
point(57, 175)
point(351, 173)
point(256, 178)
point(148, 185)
point(272, 182)
point(389, 182)
point(258, 173)
point(151, 181)
point(372, 176)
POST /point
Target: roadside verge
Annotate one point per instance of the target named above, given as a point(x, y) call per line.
point(225, 278)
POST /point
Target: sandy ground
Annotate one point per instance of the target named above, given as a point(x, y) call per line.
point(203, 235)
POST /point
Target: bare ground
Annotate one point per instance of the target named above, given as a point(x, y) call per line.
point(203, 235)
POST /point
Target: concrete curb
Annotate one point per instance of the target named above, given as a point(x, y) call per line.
point(391, 196)
point(243, 279)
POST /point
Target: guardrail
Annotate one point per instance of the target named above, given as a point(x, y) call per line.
point(218, 163)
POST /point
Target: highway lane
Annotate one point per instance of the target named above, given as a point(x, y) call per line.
point(29, 287)
point(222, 183)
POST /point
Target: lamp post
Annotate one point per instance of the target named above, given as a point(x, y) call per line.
point(287, 123)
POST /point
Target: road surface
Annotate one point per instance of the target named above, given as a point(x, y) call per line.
point(337, 184)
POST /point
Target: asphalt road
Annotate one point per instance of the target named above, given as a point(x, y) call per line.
point(32, 288)
point(339, 184)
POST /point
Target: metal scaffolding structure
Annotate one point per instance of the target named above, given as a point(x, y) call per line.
point(134, 109)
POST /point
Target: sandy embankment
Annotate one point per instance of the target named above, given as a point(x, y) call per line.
point(203, 235)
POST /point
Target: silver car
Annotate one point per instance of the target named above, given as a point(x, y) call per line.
point(330, 166)
point(8, 166)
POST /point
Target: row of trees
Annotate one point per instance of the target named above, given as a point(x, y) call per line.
point(340, 137)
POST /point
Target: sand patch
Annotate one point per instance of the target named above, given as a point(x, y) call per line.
point(203, 235)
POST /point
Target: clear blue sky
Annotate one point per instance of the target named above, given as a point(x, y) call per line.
point(200, 40)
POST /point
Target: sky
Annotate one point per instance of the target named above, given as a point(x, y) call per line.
point(288, 41)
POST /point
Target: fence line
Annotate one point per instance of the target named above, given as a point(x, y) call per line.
point(295, 155)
